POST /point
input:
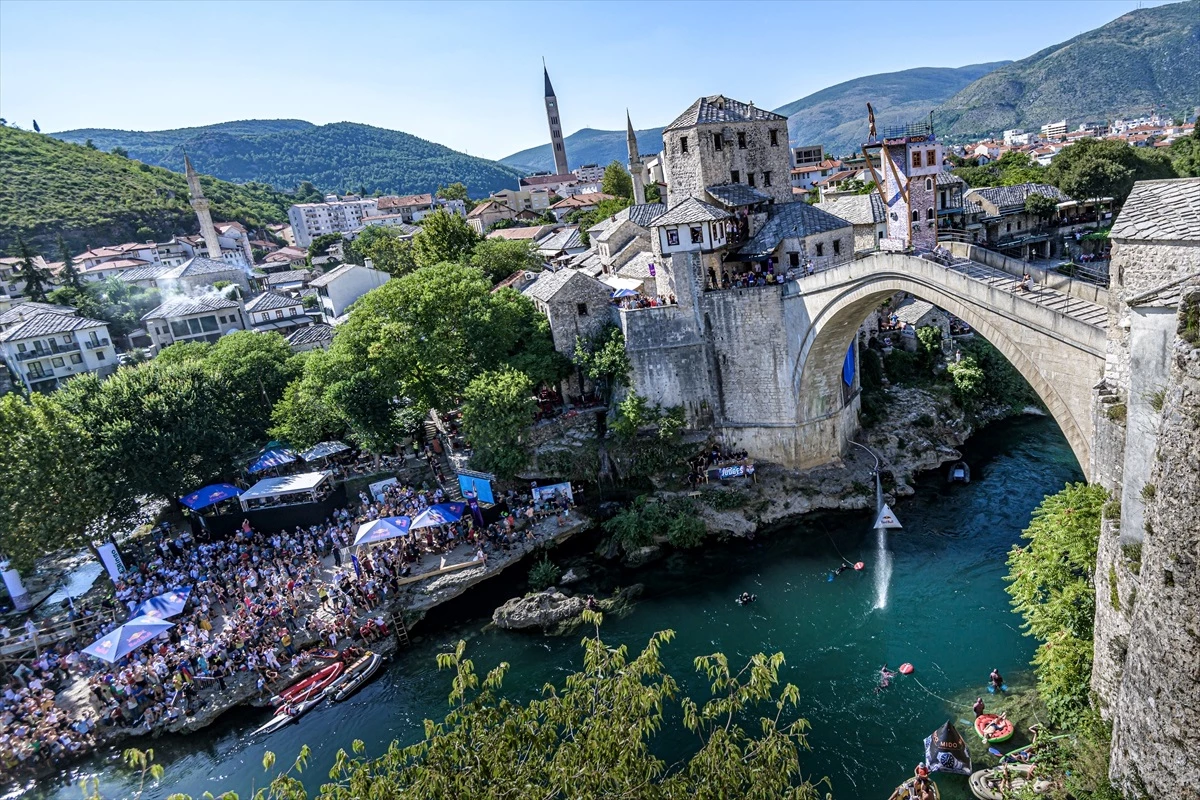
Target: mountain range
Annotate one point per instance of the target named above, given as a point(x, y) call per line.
point(339, 157)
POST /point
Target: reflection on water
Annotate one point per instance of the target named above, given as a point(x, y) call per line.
point(946, 613)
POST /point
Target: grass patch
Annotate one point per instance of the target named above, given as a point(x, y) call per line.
point(1112, 509)
point(1116, 412)
point(1113, 596)
point(1148, 492)
point(1133, 556)
point(1157, 399)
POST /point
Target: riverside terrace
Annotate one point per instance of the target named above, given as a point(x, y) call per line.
point(259, 603)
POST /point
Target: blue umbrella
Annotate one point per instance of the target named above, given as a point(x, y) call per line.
point(439, 514)
point(165, 605)
point(122, 641)
point(210, 495)
point(625, 293)
point(377, 530)
point(275, 457)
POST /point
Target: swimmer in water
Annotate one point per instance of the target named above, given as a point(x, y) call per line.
point(746, 598)
point(885, 679)
point(841, 569)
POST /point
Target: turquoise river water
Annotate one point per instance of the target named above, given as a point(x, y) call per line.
point(946, 612)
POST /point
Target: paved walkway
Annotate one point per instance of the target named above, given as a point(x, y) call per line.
point(1082, 310)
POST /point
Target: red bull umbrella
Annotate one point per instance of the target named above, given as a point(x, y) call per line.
point(120, 642)
point(439, 514)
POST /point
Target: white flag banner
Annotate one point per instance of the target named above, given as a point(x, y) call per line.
point(887, 519)
point(110, 556)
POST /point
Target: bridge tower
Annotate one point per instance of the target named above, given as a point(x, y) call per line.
point(910, 159)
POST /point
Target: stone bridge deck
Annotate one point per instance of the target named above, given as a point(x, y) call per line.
point(1083, 310)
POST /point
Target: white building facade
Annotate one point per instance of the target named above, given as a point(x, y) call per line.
point(310, 220)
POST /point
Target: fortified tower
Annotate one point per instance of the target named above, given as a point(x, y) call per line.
point(200, 204)
point(556, 137)
point(636, 168)
point(910, 159)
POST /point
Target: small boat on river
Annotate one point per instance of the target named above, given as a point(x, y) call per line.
point(311, 686)
point(355, 677)
point(993, 728)
point(287, 714)
point(959, 473)
point(1006, 780)
point(907, 791)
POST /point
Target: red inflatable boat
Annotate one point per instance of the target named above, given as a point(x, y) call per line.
point(311, 686)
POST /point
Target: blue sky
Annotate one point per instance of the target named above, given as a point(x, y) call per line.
point(468, 75)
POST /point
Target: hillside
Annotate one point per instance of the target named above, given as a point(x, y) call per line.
point(587, 146)
point(1136, 62)
point(337, 157)
point(49, 187)
point(837, 117)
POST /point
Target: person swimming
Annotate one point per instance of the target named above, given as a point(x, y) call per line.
point(841, 569)
point(747, 598)
point(885, 678)
point(997, 681)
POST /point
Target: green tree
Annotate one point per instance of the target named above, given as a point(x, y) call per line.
point(617, 181)
point(28, 270)
point(443, 237)
point(455, 191)
point(603, 360)
point(929, 345)
point(1051, 586)
point(1105, 168)
point(50, 487)
point(258, 367)
point(499, 258)
point(320, 245)
point(497, 408)
point(385, 248)
point(969, 381)
point(69, 274)
point(1041, 206)
point(1010, 169)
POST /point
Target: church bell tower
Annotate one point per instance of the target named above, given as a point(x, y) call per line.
point(556, 137)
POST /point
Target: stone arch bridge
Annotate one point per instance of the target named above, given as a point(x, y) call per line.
point(763, 366)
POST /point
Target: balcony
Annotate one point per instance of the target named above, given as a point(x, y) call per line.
point(56, 351)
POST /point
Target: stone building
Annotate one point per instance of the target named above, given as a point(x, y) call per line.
point(1008, 227)
point(1146, 452)
point(575, 305)
point(198, 274)
point(193, 319)
point(910, 160)
point(865, 212)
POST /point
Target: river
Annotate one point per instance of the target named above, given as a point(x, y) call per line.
point(946, 613)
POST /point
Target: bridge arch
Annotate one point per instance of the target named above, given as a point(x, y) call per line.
point(1059, 356)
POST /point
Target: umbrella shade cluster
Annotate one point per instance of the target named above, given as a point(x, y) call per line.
point(439, 514)
point(166, 605)
point(378, 530)
point(269, 459)
point(121, 641)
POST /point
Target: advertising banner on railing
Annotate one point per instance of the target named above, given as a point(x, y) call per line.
point(110, 557)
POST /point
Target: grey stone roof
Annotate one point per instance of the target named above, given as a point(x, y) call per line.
point(638, 266)
point(22, 311)
point(791, 220)
point(564, 239)
point(331, 276)
point(183, 306)
point(549, 284)
point(199, 265)
point(718, 108)
point(287, 276)
point(691, 210)
point(911, 311)
point(949, 179)
point(270, 301)
point(1167, 210)
point(857, 209)
point(645, 213)
point(732, 195)
point(1167, 295)
point(48, 323)
point(150, 273)
point(311, 334)
point(1007, 197)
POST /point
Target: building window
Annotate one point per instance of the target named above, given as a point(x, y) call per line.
point(100, 356)
point(774, 138)
point(766, 179)
point(916, 158)
point(58, 362)
point(672, 236)
point(697, 234)
point(820, 249)
point(1008, 227)
point(750, 178)
point(554, 120)
point(717, 141)
point(1018, 224)
point(558, 145)
point(741, 141)
point(929, 184)
point(35, 369)
point(683, 144)
point(837, 247)
point(931, 158)
point(735, 176)
point(279, 314)
point(916, 215)
point(929, 213)
point(76, 358)
point(793, 258)
point(20, 347)
point(179, 328)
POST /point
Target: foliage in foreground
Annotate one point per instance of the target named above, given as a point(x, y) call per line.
point(591, 736)
point(645, 521)
point(1052, 588)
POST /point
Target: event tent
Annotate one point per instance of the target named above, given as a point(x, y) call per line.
point(306, 484)
point(439, 514)
point(164, 605)
point(323, 450)
point(269, 459)
point(378, 530)
point(210, 495)
point(120, 642)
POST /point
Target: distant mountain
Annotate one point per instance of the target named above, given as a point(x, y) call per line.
point(1146, 59)
point(586, 146)
point(283, 153)
point(49, 187)
point(837, 117)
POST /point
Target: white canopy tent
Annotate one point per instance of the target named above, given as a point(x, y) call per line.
point(305, 488)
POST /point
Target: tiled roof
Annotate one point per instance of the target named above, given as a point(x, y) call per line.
point(148, 273)
point(548, 284)
point(1168, 210)
point(911, 311)
point(644, 214)
point(331, 276)
point(199, 265)
point(1012, 196)
point(311, 334)
point(791, 220)
point(544, 180)
point(948, 179)
point(117, 263)
point(21, 311)
point(493, 206)
point(533, 232)
point(562, 239)
point(183, 306)
point(407, 200)
point(287, 276)
point(581, 200)
point(48, 323)
point(638, 266)
point(270, 301)
point(857, 209)
point(732, 195)
point(691, 210)
point(1167, 295)
point(718, 108)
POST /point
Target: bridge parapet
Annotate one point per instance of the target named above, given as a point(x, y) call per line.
point(1042, 277)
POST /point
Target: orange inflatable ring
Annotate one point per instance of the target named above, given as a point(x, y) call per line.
point(906, 669)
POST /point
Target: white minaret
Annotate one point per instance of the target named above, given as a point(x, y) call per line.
point(635, 163)
point(200, 204)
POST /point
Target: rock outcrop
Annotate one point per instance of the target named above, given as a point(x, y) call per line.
point(545, 609)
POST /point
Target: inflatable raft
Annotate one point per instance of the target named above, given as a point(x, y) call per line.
point(1007, 780)
point(992, 728)
point(905, 791)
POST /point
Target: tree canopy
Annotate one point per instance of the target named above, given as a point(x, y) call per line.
point(1105, 168)
point(617, 181)
point(499, 258)
point(443, 237)
point(497, 408)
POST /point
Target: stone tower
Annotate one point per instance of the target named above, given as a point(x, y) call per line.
point(635, 163)
point(200, 204)
point(556, 137)
point(910, 160)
